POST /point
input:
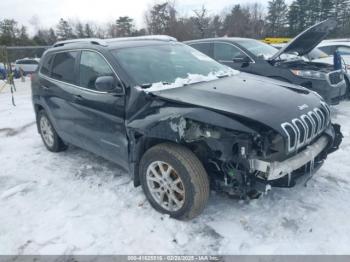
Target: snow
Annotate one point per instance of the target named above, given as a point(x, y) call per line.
point(190, 79)
point(78, 203)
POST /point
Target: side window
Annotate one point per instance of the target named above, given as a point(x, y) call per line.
point(329, 50)
point(32, 62)
point(227, 52)
point(92, 65)
point(202, 47)
point(45, 68)
point(344, 50)
point(63, 67)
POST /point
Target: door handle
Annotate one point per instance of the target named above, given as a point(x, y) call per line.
point(45, 87)
point(78, 98)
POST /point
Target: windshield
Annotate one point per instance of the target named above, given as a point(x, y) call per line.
point(168, 63)
point(258, 48)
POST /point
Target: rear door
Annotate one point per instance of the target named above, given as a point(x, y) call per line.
point(57, 81)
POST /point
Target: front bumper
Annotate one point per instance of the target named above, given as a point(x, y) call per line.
point(313, 155)
point(276, 170)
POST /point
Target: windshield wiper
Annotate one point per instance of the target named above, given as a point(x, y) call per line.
point(222, 76)
point(145, 85)
point(148, 85)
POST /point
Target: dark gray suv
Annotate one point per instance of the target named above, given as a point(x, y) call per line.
point(178, 121)
point(286, 64)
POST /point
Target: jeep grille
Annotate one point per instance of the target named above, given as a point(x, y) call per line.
point(301, 131)
point(335, 77)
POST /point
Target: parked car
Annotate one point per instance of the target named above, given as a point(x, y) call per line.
point(286, 64)
point(27, 65)
point(330, 46)
point(2, 71)
point(317, 55)
point(178, 121)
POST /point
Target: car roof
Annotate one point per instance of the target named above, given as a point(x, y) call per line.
point(27, 59)
point(112, 43)
point(225, 39)
point(334, 43)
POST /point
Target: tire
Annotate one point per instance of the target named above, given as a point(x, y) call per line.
point(192, 190)
point(347, 94)
point(46, 129)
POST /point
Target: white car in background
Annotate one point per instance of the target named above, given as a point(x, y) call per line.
point(328, 47)
point(28, 65)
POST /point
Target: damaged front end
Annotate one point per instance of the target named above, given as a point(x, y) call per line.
point(239, 155)
point(244, 164)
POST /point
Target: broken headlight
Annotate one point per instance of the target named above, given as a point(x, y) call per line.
point(197, 131)
point(310, 74)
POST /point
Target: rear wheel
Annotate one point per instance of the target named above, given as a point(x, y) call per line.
point(174, 181)
point(48, 134)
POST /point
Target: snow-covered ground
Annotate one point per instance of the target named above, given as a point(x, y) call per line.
point(77, 203)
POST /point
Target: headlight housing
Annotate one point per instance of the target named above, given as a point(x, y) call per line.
point(310, 74)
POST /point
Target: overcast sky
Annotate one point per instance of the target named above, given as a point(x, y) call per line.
point(48, 12)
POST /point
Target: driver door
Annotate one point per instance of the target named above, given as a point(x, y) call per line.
point(99, 116)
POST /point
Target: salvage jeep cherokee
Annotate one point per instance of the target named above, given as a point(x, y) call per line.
point(178, 121)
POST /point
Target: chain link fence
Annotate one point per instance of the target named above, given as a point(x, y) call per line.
point(8, 69)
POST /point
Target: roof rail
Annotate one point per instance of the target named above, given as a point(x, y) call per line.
point(95, 41)
point(104, 42)
point(146, 37)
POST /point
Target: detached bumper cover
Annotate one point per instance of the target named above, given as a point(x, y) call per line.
point(276, 170)
point(327, 143)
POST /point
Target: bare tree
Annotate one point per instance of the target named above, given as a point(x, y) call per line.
point(202, 20)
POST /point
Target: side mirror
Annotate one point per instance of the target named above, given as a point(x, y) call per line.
point(243, 60)
point(107, 84)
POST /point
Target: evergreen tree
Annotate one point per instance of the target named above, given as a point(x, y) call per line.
point(237, 23)
point(124, 26)
point(79, 30)
point(158, 19)
point(40, 38)
point(23, 38)
point(8, 32)
point(88, 31)
point(326, 7)
point(293, 19)
point(277, 18)
point(64, 30)
point(340, 12)
point(52, 37)
point(314, 10)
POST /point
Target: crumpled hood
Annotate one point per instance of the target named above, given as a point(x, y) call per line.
point(256, 98)
point(308, 40)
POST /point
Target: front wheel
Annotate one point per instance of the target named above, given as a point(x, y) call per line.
point(347, 94)
point(174, 181)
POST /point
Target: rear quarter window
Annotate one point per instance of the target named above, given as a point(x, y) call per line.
point(46, 66)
